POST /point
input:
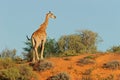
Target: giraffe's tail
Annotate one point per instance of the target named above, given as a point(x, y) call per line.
point(28, 38)
point(32, 40)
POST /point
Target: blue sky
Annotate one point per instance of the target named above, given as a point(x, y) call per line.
point(19, 18)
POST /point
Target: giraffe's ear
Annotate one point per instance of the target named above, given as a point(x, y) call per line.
point(49, 11)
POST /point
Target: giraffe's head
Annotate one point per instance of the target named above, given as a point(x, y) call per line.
point(51, 15)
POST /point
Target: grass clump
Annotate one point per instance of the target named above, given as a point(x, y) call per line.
point(87, 74)
point(109, 77)
point(69, 53)
point(43, 65)
point(60, 76)
point(26, 73)
point(87, 71)
point(86, 77)
point(90, 57)
point(9, 74)
point(19, 60)
point(66, 58)
point(112, 65)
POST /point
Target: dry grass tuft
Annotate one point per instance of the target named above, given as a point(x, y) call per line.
point(112, 65)
point(42, 65)
point(85, 61)
point(60, 76)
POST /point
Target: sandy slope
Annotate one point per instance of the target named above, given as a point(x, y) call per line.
point(77, 72)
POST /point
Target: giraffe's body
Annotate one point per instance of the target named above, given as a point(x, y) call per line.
point(39, 37)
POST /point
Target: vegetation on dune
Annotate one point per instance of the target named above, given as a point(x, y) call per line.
point(14, 67)
point(14, 72)
point(9, 70)
point(84, 41)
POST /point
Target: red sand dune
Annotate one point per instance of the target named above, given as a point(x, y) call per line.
point(76, 72)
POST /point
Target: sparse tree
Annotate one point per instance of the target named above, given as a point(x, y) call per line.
point(83, 41)
point(89, 40)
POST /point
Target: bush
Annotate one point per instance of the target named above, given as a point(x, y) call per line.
point(60, 76)
point(8, 53)
point(43, 65)
point(115, 49)
point(112, 65)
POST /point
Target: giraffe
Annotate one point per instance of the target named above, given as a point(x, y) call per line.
point(38, 37)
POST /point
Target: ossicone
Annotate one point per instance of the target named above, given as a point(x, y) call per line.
point(49, 11)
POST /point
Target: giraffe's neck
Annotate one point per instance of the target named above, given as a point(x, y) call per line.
point(45, 24)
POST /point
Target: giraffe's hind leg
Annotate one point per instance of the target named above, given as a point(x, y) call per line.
point(33, 50)
point(42, 49)
point(33, 53)
point(38, 43)
point(35, 44)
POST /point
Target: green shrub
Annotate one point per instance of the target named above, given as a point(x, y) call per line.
point(60, 76)
point(112, 65)
point(43, 65)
